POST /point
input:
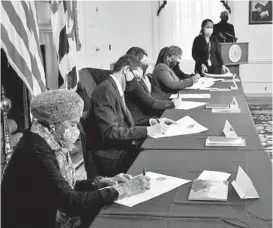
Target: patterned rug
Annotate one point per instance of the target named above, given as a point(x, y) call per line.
point(262, 116)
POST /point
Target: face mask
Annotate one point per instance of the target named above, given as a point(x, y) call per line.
point(208, 31)
point(69, 137)
point(144, 68)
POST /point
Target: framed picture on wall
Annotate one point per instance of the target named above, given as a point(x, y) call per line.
point(260, 12)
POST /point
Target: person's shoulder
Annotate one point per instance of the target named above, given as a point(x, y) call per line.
point(199, 37)
point(161, 66)
point(230, 25)
point(106, 86)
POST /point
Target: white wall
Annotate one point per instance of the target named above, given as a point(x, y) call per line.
point(126, 24)
point(257, 74)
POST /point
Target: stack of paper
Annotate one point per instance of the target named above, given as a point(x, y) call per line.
point(191, 95)
point(160, 184)
point(202, 83)
point(230, 138)
point(214, 175)
point(244, 186)
point(226, 75)
point(186, 105)
point(183, 126)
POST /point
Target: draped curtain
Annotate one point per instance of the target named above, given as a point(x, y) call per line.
point(180, 22)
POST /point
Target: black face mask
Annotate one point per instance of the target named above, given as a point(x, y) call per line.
point(144, 68)
point(173, 63)
point(224, 18)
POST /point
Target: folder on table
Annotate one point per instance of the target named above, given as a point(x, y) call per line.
point(230, 138)
point(225, 141)
point(209, 190)
point(244, 186)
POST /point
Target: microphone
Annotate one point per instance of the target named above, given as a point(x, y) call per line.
point(234, 38)
point(222, 36)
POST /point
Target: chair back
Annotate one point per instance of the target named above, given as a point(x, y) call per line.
point(89, 163)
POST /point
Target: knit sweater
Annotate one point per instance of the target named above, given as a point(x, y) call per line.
point(165, 82)
point(143, 106)
point(33, 188)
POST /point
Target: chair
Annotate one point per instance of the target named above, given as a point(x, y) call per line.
point(89, 163)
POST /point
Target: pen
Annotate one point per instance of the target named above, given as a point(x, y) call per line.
point(157, 120)
point(144, 171)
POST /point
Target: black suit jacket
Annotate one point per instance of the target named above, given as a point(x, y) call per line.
point(223, 27)
point(142, 105)
point(200, 53)
point(111, 132)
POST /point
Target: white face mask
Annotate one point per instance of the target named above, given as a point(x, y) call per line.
point(69, 137)
point(208, 31)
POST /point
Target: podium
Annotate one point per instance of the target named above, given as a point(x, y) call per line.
point(234, 54)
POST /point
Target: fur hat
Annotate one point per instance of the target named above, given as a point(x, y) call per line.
point(56, 106)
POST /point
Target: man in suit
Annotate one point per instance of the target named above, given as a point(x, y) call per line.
point(113, 137)
point(224, 31)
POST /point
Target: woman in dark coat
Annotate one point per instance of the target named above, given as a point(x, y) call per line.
point(39, 188)
point(206, 53)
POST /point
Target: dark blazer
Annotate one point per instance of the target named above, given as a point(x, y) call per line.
point(180, 74)
point(111, 132)
point(200, 54)
point(223, 27)
point(142, 105)
point(165, 82)
point(33, 188)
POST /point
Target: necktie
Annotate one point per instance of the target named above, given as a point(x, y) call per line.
point(128, 113)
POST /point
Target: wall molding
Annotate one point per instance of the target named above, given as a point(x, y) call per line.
point(259, 61)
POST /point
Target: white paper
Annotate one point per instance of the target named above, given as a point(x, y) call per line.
point(226, 110)
point(226, 75)
point(216, 89)
point(191, 95)
point(186, 105)
point(214, 175)
point(229, 130)
point(202, 83)
point(244, 186)
point(183, 126)
point(160, 184)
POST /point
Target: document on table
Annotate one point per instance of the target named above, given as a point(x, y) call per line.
point(226, 75)
point(202, 83)
point(214, 175)
point(244, 186)
point(191, 95)
point(160, 184)
point(183, 126)
point(186, 105)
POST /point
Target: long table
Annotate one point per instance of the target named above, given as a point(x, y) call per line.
point(242, 123)
point(174, 210)
point(186, 157)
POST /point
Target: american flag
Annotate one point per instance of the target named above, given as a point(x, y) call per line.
point(20, 41)
point(63, 20)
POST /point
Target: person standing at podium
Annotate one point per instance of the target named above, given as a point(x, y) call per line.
point(223, 30)
point(206, 53)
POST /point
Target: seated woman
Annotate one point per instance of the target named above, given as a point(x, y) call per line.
point(206, 53)
point(176, 68)
point(39, 188)
point(139, 101)
point(164, 81)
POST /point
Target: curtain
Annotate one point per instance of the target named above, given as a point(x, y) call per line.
point(180, 22)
